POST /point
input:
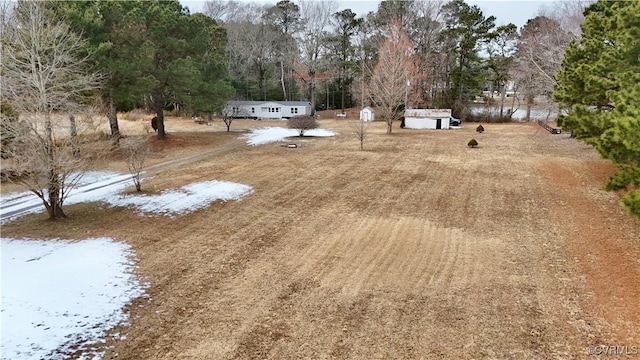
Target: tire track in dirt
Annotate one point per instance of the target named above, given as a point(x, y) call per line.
point(398, 254)
point(610, 262)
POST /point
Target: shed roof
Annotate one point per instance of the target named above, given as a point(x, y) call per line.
point(427, 113)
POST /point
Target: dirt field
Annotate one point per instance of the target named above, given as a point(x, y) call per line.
point(418, 247)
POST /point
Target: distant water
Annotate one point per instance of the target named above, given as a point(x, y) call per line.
point(538, 112)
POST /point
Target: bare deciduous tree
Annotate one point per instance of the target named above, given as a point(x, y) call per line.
point(44, 77)
point(360, 129)
point(316, 16)
point(538, 58)
point(231, 113)
point(569, 14)
point(252, 52)
point(233, 11)
point(424, 33)
point(390, 85)
point(136, 151)
point(541, 44)
point(221, 10)
point(302, 123)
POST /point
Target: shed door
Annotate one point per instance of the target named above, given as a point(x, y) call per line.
point(438, 123)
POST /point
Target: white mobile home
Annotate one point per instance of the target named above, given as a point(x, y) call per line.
point(427, 118)
point(267, 109)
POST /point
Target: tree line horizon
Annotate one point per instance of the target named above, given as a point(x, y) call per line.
point(122, 55)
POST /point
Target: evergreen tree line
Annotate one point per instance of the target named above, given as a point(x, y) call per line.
point(157, 55)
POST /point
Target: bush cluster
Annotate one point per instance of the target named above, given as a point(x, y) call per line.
point(302, 123)
point(632, 201)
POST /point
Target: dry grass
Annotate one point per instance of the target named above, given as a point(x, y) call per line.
point(418, 247)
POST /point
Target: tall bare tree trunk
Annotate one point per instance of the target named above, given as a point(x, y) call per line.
point(261, 76)
point(53, 207)
point(112, 115)
point(73, 130)
point(529, 105)
point(284, 88)
point(160, 115)
point(312, 91)
point(342, 90)
point(503, 95)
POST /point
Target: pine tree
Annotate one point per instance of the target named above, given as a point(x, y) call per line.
point(600, 80)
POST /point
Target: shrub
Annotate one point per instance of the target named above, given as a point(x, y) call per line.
point(302, 123)
point(480, 129)
point(627, 176)
point(632, 201)
point(472, 143)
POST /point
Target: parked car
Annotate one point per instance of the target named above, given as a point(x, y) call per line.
point(454, 122)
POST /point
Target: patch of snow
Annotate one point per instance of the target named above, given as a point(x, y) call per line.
point(319, 132)
point(13, 196)
point(104, 187)
point(58, 295)
point(187, 199)
point(276, 134)
point(93, 186)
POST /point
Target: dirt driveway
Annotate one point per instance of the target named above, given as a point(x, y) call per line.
point(418, 247)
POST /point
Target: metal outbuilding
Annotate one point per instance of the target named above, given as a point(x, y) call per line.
point(427, 118)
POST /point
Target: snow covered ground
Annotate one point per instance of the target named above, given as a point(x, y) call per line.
point(93, 186)
point(276, 134)
point(57, 295)
point(184, 200)
point(104, 186)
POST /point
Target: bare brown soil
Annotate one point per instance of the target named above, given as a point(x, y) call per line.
point(418, 247)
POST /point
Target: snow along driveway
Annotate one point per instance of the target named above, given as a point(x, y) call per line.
point(93, 186)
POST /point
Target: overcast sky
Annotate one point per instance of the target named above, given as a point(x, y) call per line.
point(505, 11)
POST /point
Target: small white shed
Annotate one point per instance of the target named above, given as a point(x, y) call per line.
point(427, 118)
point(367, 114)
